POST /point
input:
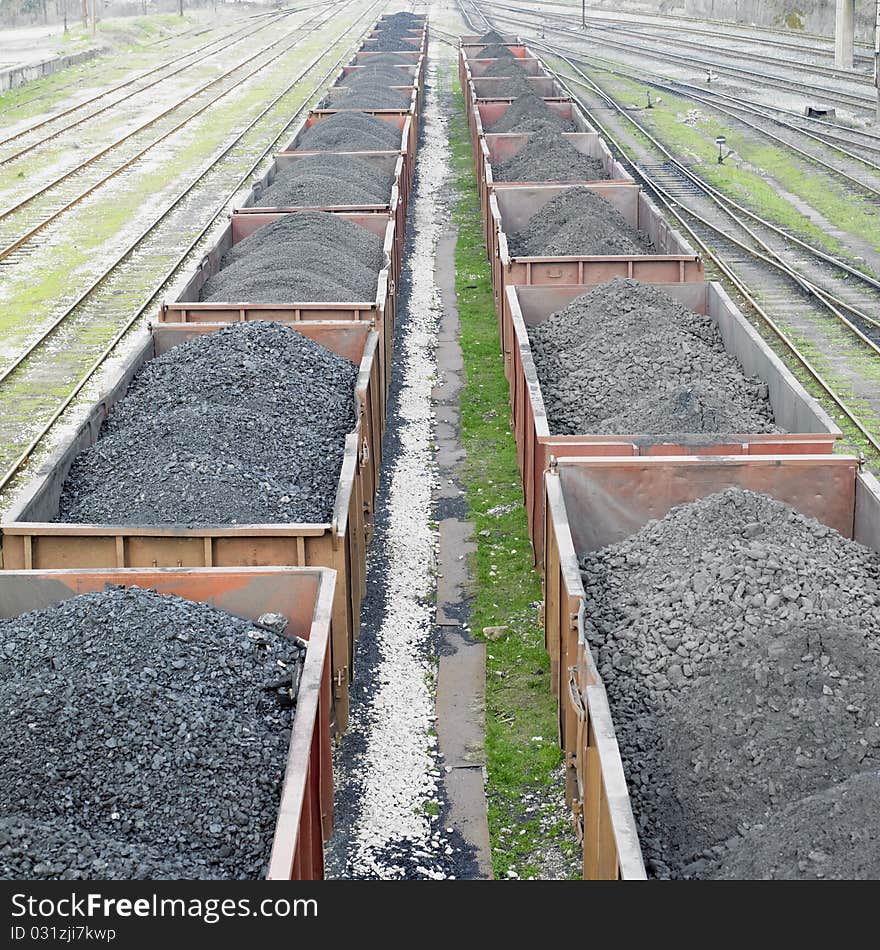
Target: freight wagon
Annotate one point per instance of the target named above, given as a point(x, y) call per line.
point(302, 595)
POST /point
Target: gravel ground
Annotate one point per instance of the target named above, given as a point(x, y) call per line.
point(627, 358)
point(351, 132)
point(390, 799)
point(243, 426)
point(529, 113)
point(739, 642)
point(326, 180)
point(578, 222)
point(310, 255)
point(174, 740)
point(549, 156)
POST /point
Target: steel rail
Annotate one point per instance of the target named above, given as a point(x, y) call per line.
point(234, 37)
point(867, 101)
point(107, 351)
point(291, 41)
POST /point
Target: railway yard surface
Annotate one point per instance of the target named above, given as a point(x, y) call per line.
point(439, 440)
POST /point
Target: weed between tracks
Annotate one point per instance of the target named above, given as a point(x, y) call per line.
point(755, 172)
point(527, 827)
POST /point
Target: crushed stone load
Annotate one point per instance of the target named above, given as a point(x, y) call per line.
point(577, 221)
point(306, 256)
point(529, 113)
point(491, 36)
point(549, 156)
point(351, 132)
point(327, 180)
point(145, 737)
point(243, 426)
point(739, 643)
point(368, 94)
point(832, 835)
point(626, 358)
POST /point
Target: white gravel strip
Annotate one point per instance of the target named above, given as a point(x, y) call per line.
point(395, 771)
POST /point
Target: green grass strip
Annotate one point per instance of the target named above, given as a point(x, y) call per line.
point(522, 752)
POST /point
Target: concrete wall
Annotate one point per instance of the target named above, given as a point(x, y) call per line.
point(811, 16)
point(17, 76)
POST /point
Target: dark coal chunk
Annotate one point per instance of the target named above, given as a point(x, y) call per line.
point(351, 132)
point(739, 644)
point(529, 113)
point(140, 740)
point(549, 156)
point(327, 180)
point(243, 426)
point(626, 357)
point(578, 222)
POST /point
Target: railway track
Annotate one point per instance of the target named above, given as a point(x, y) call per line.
point(765, 265)
point(43, 381)
point(860, 147)
point(21, 222)
point(674, 33)
point(131, 86)
point(864, 101)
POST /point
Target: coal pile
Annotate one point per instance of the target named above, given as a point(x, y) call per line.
point(549, 156)
point(578, 222)
point(739, 643)
point(394, 41)
point(306, 256)
point(385, 75)
point(243, 426)
point(351, 132)
point(145, 736)
point(368, 94)
point(529, 113)
point(627, 358)
point(506, 87)
point(503, 68)
point(387, 59)
point(495, 51)
point(328, 180)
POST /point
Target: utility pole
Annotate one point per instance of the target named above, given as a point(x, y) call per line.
point(94, 18)
point(584, 14)
point(877, 59)
point(85, 12)
point(180, 7)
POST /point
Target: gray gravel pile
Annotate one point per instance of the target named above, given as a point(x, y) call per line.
point(626, 357)
point(577, 221)
point(145, 736)
point(351, 132)
point(306, 256)
point(369, 94)
point(833, 835)
point(495, 51)
point(549, 156)
point(327, 179)
point(529, 113)
point(739, 642)
point(243, 426)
